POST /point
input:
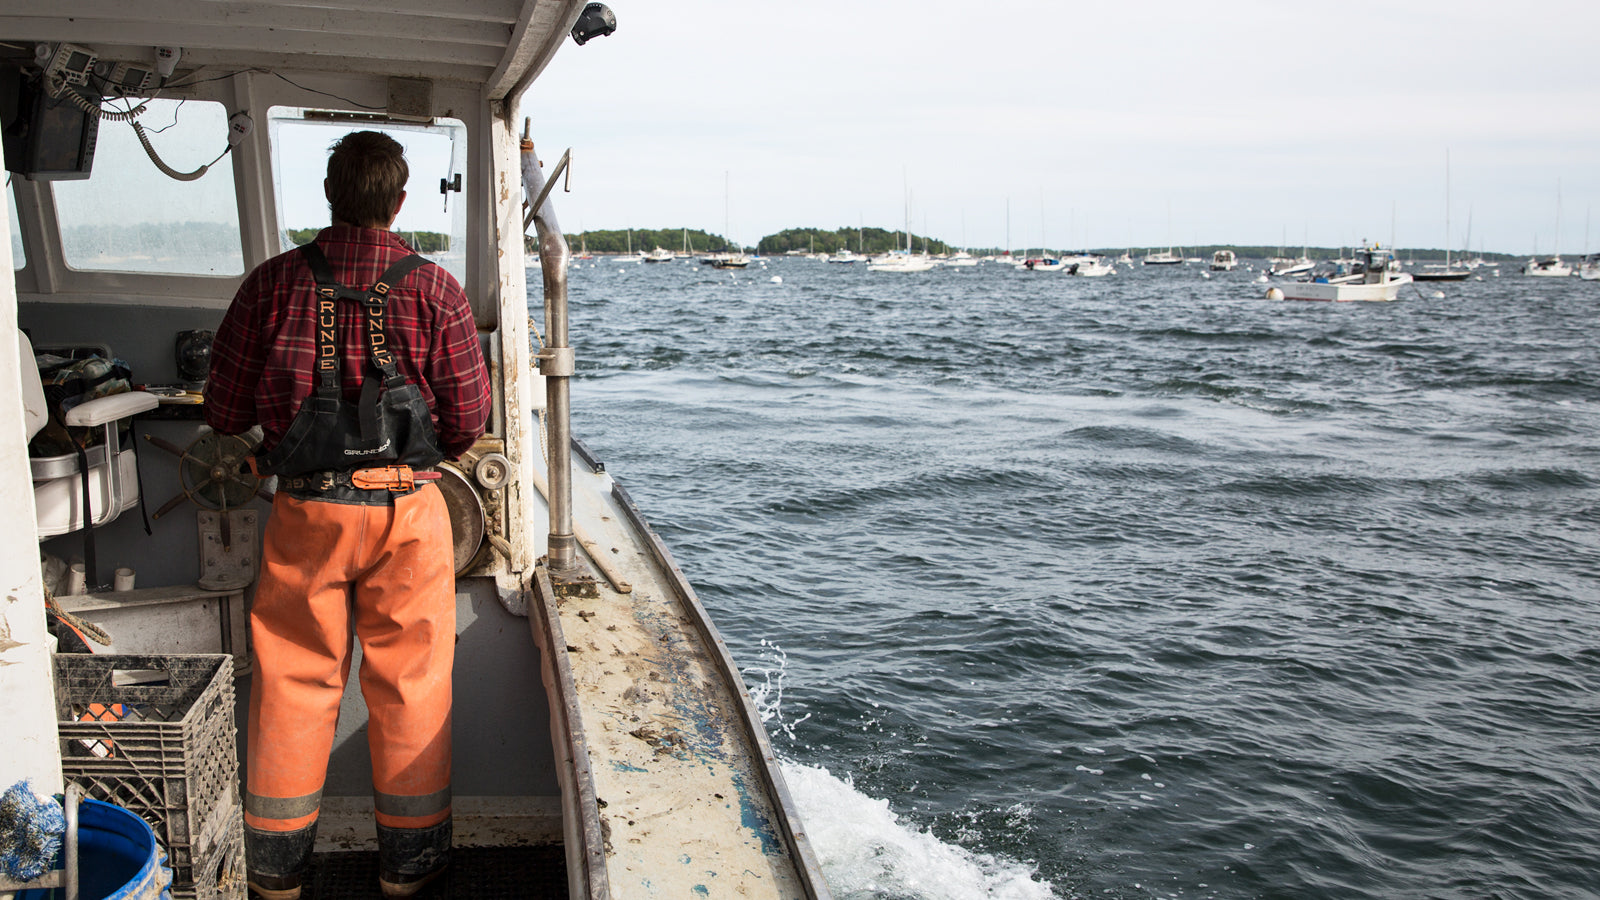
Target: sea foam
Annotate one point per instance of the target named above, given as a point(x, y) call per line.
point(866, 851)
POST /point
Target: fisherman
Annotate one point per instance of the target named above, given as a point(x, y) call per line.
point(359, 392)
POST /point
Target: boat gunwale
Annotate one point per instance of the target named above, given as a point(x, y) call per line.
point(807, 867)
point(585, 842)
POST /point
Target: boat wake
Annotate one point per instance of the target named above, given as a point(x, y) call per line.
point(867, 852)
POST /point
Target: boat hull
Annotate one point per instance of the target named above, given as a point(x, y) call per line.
point(1340, 293)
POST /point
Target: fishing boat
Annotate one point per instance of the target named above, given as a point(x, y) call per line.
point(600, 723)
point(1224, 261)
point(1370, 278)
point(659, 255)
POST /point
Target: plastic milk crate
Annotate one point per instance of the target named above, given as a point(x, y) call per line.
point(155, 735)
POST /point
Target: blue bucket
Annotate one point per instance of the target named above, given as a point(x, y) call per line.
point(118, 858)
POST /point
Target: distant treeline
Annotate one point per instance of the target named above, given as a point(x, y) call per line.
point(859, 240)
point(154, 237)
point(678, 240)
point(421, 241)
point(1315, 253)
point(880, 240)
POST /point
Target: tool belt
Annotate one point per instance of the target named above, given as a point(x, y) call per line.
point(375, 485)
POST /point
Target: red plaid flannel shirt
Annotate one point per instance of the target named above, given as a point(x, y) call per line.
point(262, 358)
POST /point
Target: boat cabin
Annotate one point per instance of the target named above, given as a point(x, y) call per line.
point(156, 153)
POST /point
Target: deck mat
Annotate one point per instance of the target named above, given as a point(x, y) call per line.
point(482, 873)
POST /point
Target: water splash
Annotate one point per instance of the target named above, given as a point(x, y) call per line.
point(767, 694)
point(867, 851)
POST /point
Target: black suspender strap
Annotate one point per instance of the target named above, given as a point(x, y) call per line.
point(328, 292)
point(373, 302)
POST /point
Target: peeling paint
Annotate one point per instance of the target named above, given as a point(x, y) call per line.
point(6, 643)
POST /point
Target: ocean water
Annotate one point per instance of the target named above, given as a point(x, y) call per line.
point(1142, 586)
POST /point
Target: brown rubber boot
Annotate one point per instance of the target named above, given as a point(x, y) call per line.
point(270, 887)
point(394, 885)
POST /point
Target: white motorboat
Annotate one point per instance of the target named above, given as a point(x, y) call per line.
point(605, 744)
point(729, 260)
point(1043, 264)
point(1224, 261)
point(1590, 270)
point(659, 255)
point(900, 262)
point(1549, 267)
point(1093, 268)
point(1288, 268)
point(1371, 279)
point(1163, 258)
point(845, 257)
point(961, 259)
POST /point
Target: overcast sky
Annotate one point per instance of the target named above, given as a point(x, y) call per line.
point(1101, 124)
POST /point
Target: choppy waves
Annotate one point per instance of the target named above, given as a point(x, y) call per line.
point(1137, 586)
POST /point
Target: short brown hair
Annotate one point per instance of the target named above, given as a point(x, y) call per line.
point(367, 172)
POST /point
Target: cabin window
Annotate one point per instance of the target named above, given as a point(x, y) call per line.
point(18, 258)
point(432, 221)
point(130, 217)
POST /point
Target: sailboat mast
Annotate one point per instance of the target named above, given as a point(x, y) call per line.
point(1558, 218)
point(1447, 210)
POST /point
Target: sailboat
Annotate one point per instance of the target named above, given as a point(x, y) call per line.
point(1447, 272)
point(1590, 270)
point(731, 258)
point(1550, 266)
point(898, 260)
point(1165, 257)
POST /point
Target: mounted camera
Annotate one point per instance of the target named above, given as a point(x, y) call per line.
point(596, 20)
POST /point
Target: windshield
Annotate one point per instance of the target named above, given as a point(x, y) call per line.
point(433, 223)
point(129, 217)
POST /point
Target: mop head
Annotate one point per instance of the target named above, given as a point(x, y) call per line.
point(30, 833)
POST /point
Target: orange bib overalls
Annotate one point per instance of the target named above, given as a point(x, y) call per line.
point(357, 547)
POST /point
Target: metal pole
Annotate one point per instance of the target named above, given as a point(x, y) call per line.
point(555, 360)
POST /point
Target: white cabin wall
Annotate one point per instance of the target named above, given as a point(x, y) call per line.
point(518, 375)
point(27, 680)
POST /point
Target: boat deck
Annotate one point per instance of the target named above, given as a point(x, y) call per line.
point(684, 790)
